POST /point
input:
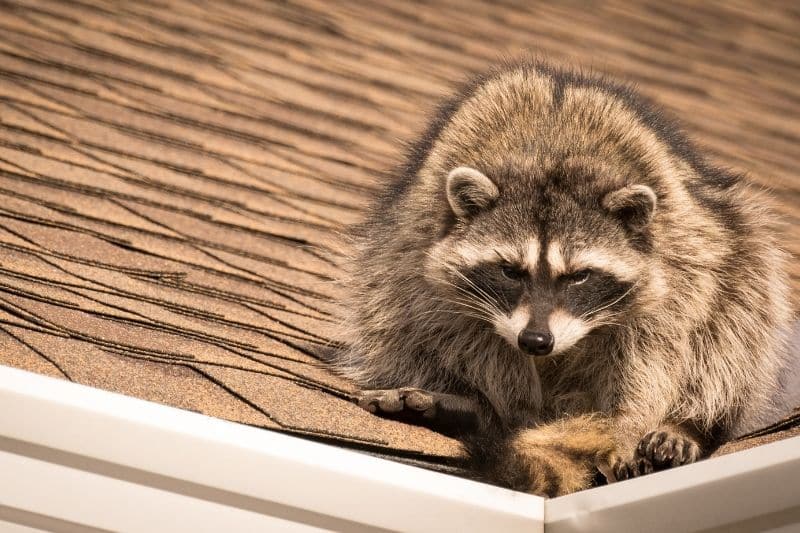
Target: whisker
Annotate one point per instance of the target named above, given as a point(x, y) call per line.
point(473, 297)
point(489, 300)
point(595, 311)
point(486, 303)
point(468, 304)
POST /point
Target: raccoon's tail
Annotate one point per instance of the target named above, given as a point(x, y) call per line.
point(548, 460)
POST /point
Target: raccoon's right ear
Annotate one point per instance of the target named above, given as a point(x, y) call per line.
point(469, 191)
point(633, 205)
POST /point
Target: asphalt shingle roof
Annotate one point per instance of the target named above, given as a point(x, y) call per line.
point(173, 174)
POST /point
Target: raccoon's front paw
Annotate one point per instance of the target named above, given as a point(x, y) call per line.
point(622, 469)
point(394, 401)
point(667, 448)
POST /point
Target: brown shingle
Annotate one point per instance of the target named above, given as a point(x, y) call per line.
point(172, 181)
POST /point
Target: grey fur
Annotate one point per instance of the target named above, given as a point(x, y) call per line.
point(699, 336)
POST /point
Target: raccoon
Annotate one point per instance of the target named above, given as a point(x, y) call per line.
point(556, 276)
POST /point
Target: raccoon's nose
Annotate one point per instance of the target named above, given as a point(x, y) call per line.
point(536, 342)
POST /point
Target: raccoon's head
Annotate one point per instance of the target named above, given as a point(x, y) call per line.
point(546, 256)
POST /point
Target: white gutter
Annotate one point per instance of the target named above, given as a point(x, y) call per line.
point(74, 458)
point(752, 490)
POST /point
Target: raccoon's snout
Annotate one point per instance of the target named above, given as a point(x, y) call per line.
point(536, 342)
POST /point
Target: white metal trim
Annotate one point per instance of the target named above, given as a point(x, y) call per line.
point(111, 447)
point(752, 490)
point(145, 467)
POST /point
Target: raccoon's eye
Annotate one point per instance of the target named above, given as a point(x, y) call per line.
point(576, 278)
point(511, 272)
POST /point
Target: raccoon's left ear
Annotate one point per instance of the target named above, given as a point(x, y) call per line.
point(469, 191)
point(634, 205)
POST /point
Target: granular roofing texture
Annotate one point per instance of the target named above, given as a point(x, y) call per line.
point(173, 174)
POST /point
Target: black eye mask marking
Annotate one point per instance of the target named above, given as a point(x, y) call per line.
point(598, 290)
point(503, 284)
point(512, 272)
point(580, 277)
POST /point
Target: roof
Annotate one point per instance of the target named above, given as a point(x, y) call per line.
point(173, 175)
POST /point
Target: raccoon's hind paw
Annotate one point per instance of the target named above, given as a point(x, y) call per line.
point(392, 401)
point(667, 448)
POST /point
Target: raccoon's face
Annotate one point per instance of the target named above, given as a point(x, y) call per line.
point(544, 264)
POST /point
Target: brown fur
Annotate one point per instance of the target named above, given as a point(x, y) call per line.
point(557, 458)
point(699, 342)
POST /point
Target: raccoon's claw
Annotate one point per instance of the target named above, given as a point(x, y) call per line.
point(627, 469)
point(664, 448)
point(667, 449)
point(398, 400)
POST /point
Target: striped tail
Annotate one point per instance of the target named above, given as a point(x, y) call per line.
point(549, 460)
